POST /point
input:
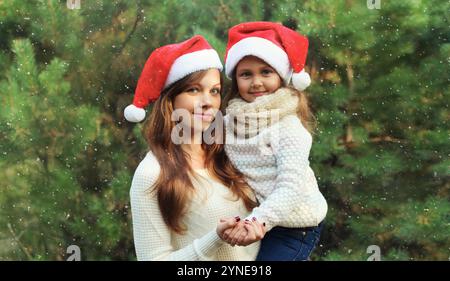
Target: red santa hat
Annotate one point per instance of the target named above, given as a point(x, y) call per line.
point(280, 47)
point(167, 65)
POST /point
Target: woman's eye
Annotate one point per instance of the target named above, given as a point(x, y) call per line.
point(215, 91)
point(192, 90)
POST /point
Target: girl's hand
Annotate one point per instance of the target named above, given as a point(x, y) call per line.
point(225, 225)
point(255, 232)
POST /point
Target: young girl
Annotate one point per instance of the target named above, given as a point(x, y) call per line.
point(182, 189)
point(267, 138)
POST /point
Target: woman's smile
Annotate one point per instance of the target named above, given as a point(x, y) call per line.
point(205, 116)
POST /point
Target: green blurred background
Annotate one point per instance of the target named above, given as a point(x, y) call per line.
point(380, 93)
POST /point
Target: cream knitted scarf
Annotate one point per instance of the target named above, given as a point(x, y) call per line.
point(252, 117)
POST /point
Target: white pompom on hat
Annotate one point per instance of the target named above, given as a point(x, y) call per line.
point(280, 47)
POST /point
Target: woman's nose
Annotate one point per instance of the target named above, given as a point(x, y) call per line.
point(206, 99)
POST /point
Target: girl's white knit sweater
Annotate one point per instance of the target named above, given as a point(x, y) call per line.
point(212, 201)
point(275, 162)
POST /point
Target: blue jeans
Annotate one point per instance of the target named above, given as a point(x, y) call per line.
point(289, 244)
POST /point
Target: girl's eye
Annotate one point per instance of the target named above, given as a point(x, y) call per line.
point(245, 74)
point(267, 71)
point(215, 91)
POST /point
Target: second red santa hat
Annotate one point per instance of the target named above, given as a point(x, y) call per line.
point(282, 48)
point(165, 66)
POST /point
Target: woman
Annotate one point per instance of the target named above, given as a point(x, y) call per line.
point(185, 193)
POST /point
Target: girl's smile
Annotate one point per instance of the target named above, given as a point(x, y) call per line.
point(258, 94)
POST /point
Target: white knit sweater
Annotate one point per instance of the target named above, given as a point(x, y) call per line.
point(212, 201)
point(283, 181)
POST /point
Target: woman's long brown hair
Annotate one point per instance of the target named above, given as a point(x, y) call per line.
point(174, 186)
point(304, 112)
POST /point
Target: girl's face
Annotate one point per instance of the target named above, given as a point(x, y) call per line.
point(256, 78)
point(200, 101)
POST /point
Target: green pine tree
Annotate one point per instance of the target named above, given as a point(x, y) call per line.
point(380, 95)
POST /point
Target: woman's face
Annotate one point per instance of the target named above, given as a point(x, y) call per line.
point(200, 101)
point(256, 78)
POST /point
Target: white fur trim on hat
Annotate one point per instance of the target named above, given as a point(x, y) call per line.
point(263, 49)
point(301, 80)
point(192, 62)
point(134, 114)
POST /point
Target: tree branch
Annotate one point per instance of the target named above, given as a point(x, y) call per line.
point(17, 239)
point(133, 30)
